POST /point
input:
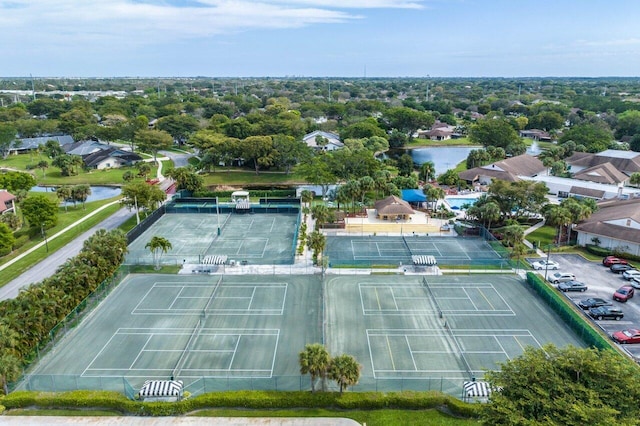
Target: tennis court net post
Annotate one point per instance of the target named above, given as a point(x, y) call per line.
point(205, 311)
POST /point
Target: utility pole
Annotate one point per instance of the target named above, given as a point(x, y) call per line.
point(33, 91)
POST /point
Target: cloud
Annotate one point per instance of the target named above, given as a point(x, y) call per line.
point(145, 22)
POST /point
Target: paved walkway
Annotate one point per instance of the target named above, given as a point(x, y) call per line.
point(172, 421)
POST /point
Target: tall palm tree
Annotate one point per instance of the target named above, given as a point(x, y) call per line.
point(557, 216)
point(158, 246)
point(366, 184)
point(63, 193)
point(306, 197)
point(490, 212)
point(345, 370)
point(316, 242)
point(428, 171)
point(314, 360)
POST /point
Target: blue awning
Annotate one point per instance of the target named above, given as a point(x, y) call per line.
point(413, 196)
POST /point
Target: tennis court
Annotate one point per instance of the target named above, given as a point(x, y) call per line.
point(158, 326)
point(254, 238)
point(453, 327)
point(394, 250)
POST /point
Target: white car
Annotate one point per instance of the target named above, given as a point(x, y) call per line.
point(562, 277)
point(631, 273)
point(545, 264)
point(635, 282)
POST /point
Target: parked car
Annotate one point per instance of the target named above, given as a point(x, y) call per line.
point(606, 312)
point(627, 275)
point(620, 267)
point(635, 282)
point(612, 260)
point(624, 293)
point(560, 277)
point(593, 302)
point(545, 264)
point(630, 335)
point(572, 286)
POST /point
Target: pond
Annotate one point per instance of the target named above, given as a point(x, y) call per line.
point(97, 192)
point(443, 157)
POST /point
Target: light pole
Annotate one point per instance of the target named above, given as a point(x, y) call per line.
point(44, 235)
point(546, 265)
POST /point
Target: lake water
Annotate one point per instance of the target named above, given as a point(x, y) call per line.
point(97, 192)
point(443, 157)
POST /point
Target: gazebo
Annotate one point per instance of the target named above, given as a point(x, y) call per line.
point(393, 208)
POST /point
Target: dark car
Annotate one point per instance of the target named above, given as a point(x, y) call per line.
point(612, 260)
point(619, 268)
point(624, 293)
point(631, 335)
point(606, 312)
point(593, 302)
point(572, 286)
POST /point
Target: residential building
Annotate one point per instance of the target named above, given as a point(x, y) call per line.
point(7, 202)
point(511, 169)
point(615, 225)
point(331, 140)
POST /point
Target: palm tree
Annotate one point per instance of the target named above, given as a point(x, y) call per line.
point(578, 211)
point(353, 190)
point(490, 212)
point(81, 193)
point(321, 214)
point(316, 242)
point(557, 216)
point(513, 235)
point(63, 193)
point(345, 370)
point(158, 246)
point(44, 164)
point(9, 361)
point(428, 171)
point(314, 360)
point(366, 184)
point(306, 197)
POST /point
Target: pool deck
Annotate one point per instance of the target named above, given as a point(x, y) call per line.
point(418, 223)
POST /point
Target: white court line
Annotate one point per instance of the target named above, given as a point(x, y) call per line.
point(251, 299)
point(275, 350)
point(415, 366)
point(235, 351)
point(373, 368)
point(502, 347)
point(176, 298)
point(100, 352)
point(143, 298)
point(393, 297)
point(140, 352)
point(470, 300)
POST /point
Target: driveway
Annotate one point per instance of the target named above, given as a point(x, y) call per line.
point(179, 160)
point(602, 283)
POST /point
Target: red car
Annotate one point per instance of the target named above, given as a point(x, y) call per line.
point(623, 294)
point(612, 260)
point(631, 335)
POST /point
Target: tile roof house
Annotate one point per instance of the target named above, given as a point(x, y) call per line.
point(110, 158)
point(393, 208)
point(7, 204)
point(510, 169)
point(628, 162)
point(438, 132)
point(602, 173)
point(616, 224)
point(332, 140)
point(536, 135)
point(23, 145)
point(84, 147)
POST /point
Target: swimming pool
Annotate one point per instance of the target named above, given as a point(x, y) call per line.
point(457, 203)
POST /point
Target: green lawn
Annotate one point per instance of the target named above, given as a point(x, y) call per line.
point(425, 143)
point(542, 237)
point(244, 177)
point(64, 220)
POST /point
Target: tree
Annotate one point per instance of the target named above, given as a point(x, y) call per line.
point(186, 178)
point(493, 132)
point(17, 181)
point(557, 216)
point(289, 152)
point(321, 214)
point(179, 126)
point(345, 370)
point(316, 243)
point(67, 163)
point(80, 193)
point(10, 367)
point(128, 176)
point(564, 386)
point(64, 194)
point(152, 141)
point(7, 137)
point(595, 137)
point(259, 150)
point(314, 360)
point(141, 195)
point(405, 165)
point(52, 148)
point(634, 179)
point(6, 239)
point(158, 246)
point(144, 169)
point(306, 197)
point(408, 120)
point(317, 172)
point(43, 165)
point(428, 171)
point(39, 211)
point(449, 178)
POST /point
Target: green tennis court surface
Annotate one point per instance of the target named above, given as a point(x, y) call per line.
point(245, 332)
point(256, 238)
point(376, 250)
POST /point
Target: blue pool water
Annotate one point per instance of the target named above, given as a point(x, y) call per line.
point(457, 203)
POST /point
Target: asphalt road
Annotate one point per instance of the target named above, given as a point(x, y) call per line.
point(601, 282)
point(49, 265)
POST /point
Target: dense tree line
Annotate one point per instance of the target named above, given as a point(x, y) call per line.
point(27, 320)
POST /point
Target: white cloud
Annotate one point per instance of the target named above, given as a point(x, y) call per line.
point(151, 22)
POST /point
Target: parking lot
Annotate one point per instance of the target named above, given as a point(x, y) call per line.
point(601, 283)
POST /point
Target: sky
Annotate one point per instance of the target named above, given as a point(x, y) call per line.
point(319, 38)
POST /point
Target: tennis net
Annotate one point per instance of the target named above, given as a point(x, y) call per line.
point(425, 284)
point(205, 311)
point(187, 349)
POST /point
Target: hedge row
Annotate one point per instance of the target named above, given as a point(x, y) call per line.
point(255, 193)
point(242, 399)
point(573, 319)
point(601, 251)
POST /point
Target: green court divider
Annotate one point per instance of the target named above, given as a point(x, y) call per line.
point(578, 323)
